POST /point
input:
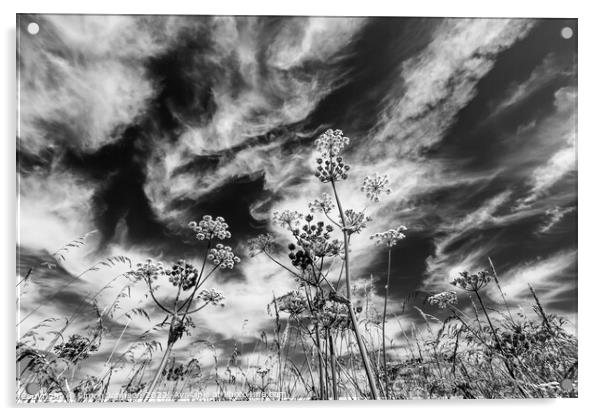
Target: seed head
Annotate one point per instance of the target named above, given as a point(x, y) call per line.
point(323, 204)
point(212, 296)
point(376, 185)
point(472, 282)
point(263, 243)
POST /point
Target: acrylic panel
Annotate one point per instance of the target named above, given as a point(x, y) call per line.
point(216, 208)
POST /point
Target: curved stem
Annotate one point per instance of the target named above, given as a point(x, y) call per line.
point(360, 342)
point(150, 289)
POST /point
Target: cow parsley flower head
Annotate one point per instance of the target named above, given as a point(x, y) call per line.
point(443, 300)
point(390, 237)
point(323, 204)
point(263, 243)
point(223, 257)
point(331, 143)
point(212, 296)
point(287, 218)
point(293, 303)
point(147, 271)
point(331, 166)
point(472, 282)
point(183, 274)
point(209, 228)
point(375, 186)
point(355, 221)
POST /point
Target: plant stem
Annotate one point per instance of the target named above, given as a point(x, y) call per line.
point(159, 372)
point(333, 366)
point(499, 346)
point(360, 342)
point(385, 376)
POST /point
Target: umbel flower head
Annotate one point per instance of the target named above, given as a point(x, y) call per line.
point(287, 219)
point(323, 204)
point(212, 296)
point(263, 243)
point(355, 221)
point(331, 143)
point(209, 228)
point(443, 300)
point(375, 186)
point(389, 238)
point(183, 274)
point(331, 166)
point(147, 271)
point(223, 257)
point(293, 303)
point(472, 282)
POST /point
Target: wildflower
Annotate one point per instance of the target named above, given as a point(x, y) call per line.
point(443, 299)
point(472, 282)
point(355, 221)
point(293, 303)
point(147, 271)
point(328, 248)
point(331, 166)
point(223, 257)
point(376, 185)
point(212, 296)
point(76, 348)
point(331, 143)
point(263, 371)
point(209, 228)
point(324, 204)
point(183, 274)
point(335, 315)
point(389, 238)
point(264, 243)
point(287, 218)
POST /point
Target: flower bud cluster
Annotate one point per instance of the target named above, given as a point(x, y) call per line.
point(183, 274)
point(223, 257)
point(209, 228)
point(331, 169)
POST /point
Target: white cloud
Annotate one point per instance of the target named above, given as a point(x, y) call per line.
point(547, 276)
point(442, 79)
point(86, 73)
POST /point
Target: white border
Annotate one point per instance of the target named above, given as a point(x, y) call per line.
point(590, 175)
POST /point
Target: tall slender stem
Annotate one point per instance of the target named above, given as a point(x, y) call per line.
point(360, 342)
point(385, 376)
point(333, 368)
point(499, 346)
point(159, 372)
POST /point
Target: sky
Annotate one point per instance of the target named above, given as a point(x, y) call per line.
point(132, 126)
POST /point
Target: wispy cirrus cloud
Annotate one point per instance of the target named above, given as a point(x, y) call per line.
point(225, 109)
